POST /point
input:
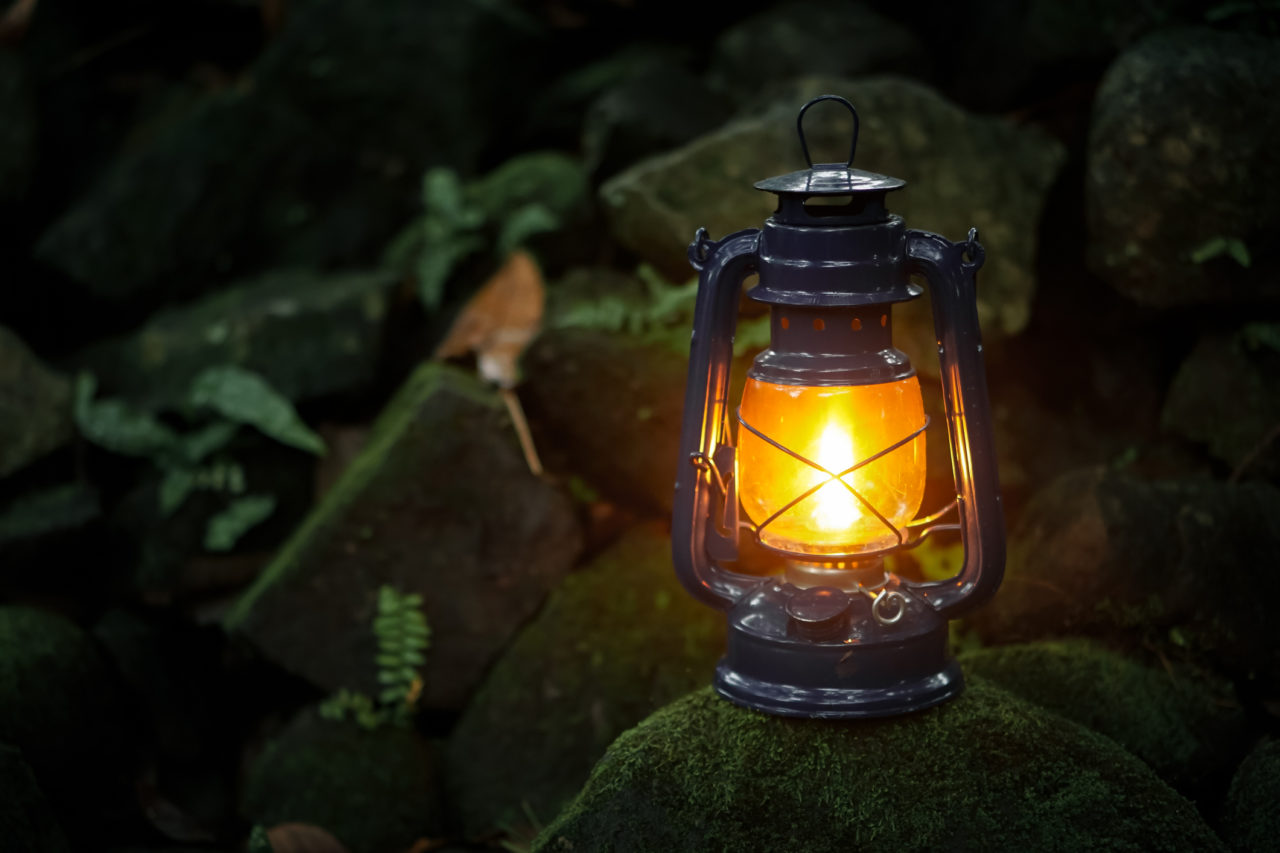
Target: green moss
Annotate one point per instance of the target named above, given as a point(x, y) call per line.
point(1252, 818)
point(614, 642)
point(985, 771)
point(374, 790)
point(394, 421)
point(1185, 728)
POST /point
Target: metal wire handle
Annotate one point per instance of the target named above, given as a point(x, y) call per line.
point(804, 145)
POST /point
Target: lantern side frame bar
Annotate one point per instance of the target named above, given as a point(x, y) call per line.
point(722, 267)
point(953, 285)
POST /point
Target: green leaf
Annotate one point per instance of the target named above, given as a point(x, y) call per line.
point(1260, 335)
point(225, 529)
point(259, 841)
point(389, 676)
point(1240, 252)
point(437, 262)
point(175, 488)
point(1233, 247)
point(118, 427)
point(443, 200)
point(245, 397)
point(523, 223)
point(413, 658)
point(195, 446)
point(393, 695)
point(48, 511)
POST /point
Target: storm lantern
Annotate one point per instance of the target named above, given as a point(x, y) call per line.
point(825, 463)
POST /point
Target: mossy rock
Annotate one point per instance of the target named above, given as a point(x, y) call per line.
point(308, 334)
point(27, 823)
point(615, 641)
point(985, 771)
point(1251, 820)
point(59, 704)
point(1186, 565)
point(1181, 153)
point(376, 791)
point(1188, 730)
point(441, 503)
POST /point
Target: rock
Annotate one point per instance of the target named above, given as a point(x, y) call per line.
point(376, 791)
point(440, 503)
point(309, 335)
point(1251, 821)
point(1225, 396)
point(963, 170)
point(1180, 154)
point(26, 821)
point(35, 406)
point(1189, 730)
point(17, 130)
point(616, 641)
point(658, 105)
point(1187, 565)
point(60, 704)
point(798, 39)
point(985, 771)
point(315, 160)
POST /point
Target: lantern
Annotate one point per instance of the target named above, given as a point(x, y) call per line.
point(828, 465)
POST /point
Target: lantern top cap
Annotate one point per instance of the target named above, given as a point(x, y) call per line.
point(829, 178)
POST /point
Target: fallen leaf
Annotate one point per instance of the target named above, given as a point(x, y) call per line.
point(303, 838)
point(500, 321)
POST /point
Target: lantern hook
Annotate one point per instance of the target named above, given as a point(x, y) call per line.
point(804, 145)
point(700, 249)
point(972, 255)
point(889, 596)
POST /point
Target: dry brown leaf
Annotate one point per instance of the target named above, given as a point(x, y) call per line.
point(500, 321)
point(303, 838)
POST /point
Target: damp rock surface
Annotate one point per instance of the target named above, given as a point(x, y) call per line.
point(375, 791)
point(1187, 565)
point(440, 503)
point(615, 641)
point(1187, 728)
point(1179, 157)
point(985, 771)
point(1251, 820)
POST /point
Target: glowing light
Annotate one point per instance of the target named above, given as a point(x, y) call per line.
point(836, 427)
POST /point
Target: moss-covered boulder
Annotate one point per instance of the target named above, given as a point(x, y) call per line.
point(615, 641)
point(1225, 395)
point(985, 771)
point(440, 502)
point(1251, 819)
point(35, 405)
point(376, 791)
point(316, 160)
point(833, 38)
point(1180, 156)
point(60, 704)
point(308, 334)
point(27, 823)
point(1187, 565)
point(1189, 730)
point(962, 170)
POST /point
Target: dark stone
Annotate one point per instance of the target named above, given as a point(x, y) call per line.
point(1251, 821)
point(35, 406)
point(1226, 396)
point(307, 334)
point(27, 823)
point(1187, 566)
point(963, 170)
point(376, 791)
point(440, 503)
point(1181, 153)
point(1188, 729)
point(812, 37)
point(615, 641)
point(17, 130)
point(985, 771)
point(658, 105)
point(60, 704)
point(314, 161)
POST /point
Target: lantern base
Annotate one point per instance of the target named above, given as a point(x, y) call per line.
point(821, 653)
